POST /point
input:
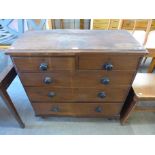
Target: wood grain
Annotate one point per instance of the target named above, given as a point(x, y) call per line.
point(75, 61)
point(78, 109)
point(97, 61)
point(115, 40)
point(78, 79)
point(28, 64)
point(40, 94)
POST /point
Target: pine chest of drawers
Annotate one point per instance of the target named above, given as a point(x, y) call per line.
point(77, 72)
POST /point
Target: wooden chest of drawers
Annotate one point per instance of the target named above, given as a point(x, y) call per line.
point(77, 72)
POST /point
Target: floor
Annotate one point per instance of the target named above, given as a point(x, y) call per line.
point(139, 123)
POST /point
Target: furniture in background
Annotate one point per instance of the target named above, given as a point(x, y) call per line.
point(11, 29)
point(151, 67)
point(142, 30)
point(126, 24)
point(77, 72)
point(143, 89)
point(7, 75)
point(70, 23)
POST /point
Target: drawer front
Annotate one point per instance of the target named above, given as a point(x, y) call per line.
point(93, 79)
point(44, 64)
point(41, 94)
point(77, 109)
point(53, 79)
point(108, 62)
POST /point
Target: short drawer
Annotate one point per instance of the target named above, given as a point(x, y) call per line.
point(77, 109)
point(41, 94)
point(108, 62)
point(53, 79)
point(80, 79)
point(44, 64)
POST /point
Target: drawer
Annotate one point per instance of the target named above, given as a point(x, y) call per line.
point(44, 64)
point(108, 62)
point(41, 94)
point(102, 79)
point(93, 79)
point(53, 79)
point(77, 109)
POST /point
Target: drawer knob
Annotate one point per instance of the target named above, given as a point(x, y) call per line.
point(105, 80)
point(108, 66)
point(55, 109)
point(48, 80)
point(51, 94)
point(43, 66)
point(101, 94)
point(98, 109)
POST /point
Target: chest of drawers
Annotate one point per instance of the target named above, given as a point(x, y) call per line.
point(77, 72)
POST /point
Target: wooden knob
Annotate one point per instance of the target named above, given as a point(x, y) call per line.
point(48, 80)
point(55, 109)
point(101, 94)
point(105, 80)
point(108, 66)
point(51, 94)
point(98, 109)
point(43, 66)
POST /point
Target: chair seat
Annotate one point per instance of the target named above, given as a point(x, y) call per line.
point(150, 41)
point(139, 35)
point(144, 86)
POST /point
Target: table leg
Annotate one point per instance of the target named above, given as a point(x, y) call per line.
point(11, 106)
point(152, 66)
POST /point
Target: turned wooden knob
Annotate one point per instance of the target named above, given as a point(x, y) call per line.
point(48, 80)
point(105, 80)
point(51, 94)
point(98, 109)
point(43, 66)
point(108, 66)
point(101, 94)
point(55, 109)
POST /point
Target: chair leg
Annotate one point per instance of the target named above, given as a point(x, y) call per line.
point(11, 107)
point(128, 110)
point(144, 60)
point(152, 66)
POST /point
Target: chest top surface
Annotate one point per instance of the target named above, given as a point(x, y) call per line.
point(76, 40)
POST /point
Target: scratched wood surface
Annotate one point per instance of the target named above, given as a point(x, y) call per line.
point(76, 40)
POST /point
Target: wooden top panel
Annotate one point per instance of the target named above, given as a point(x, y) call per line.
point(76, 40)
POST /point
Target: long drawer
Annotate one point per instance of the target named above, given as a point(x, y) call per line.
point(108, 94)
point(44, 64)
point(108, 62)
point(77, 109)
point(95, 79)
